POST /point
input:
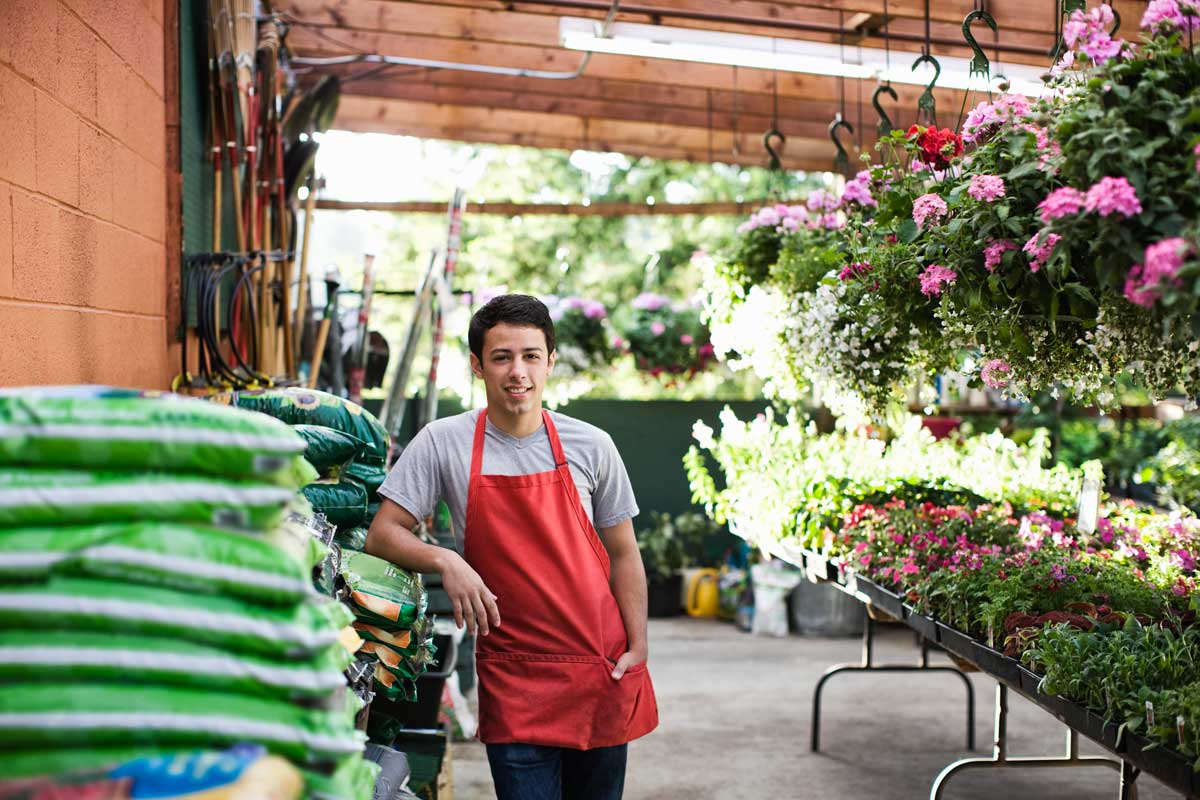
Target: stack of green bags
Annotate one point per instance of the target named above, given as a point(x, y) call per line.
point(346, 444)
point(153, 600)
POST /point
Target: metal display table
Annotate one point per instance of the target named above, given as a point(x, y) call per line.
point(1134, 754)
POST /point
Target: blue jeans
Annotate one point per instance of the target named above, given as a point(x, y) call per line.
point(537, 772)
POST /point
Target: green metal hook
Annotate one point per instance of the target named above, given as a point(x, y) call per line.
point(980, 65)
point(775, 163)
point(926, 101)
point(841, 161)
point(885, 122)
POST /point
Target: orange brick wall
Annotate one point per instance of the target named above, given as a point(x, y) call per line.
point(83, 193)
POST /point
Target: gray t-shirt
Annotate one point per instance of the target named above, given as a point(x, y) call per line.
point(437, 465)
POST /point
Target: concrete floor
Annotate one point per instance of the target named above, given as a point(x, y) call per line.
point(735, 715)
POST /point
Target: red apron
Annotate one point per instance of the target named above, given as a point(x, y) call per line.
point(545, 675)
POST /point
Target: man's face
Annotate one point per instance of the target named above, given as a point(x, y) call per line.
point(514, 368)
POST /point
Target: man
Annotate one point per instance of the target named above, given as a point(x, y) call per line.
point(550, 575)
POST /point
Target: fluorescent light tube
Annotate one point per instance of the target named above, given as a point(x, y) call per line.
point(785, 55)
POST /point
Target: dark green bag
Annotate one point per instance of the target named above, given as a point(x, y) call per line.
point(343, 503)
point(371, 476)
point(329, 450)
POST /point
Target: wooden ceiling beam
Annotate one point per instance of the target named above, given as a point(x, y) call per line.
point(513, 27)
point(654, 71)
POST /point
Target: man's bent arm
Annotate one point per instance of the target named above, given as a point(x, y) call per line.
point(391, 538)
point(628, 583)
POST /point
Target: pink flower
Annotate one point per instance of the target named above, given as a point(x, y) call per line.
point(1060, 203)
point(1169, 15)
point(986, 188)
point(982, 120)
point(618, 343)
point(821, 200)
point(1109, 195)
point(992, 373)
point(1088, 32)
point(593, 309)
point(790, 224)
point(995, 251)
point(657, 328)
point(859, 190)
point(928, 206)
point(686, 339)
point(1039, 254)
point(648, 301)
point(1196, 153)
point(933, 277)
point(852, 271)
point(1162, 262)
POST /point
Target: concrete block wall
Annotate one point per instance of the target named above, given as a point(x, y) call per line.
point(83, 193)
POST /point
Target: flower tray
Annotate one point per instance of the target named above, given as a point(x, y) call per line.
point(956, 642)
point(1028, 680)
point(1167, 764)
point(1092, 725)
point(921, 624)
point(996, 663)
point(882, 599)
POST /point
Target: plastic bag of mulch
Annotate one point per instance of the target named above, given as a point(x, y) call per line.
point(121, 714)
point(344, 503)
point(94, 605)
point(329, 450)
point(311, 407)
point(83, 656)
point(66, 497)
point(178, 556)
point(371, 476)
point(104, 428)
point(352, 538)
point(382, 594)
point(244, 772)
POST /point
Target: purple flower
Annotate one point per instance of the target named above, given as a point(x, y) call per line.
point(859, 190)
point(593, 309)
point(986, 188)
point(992, 372)
point(1039, 254)
point(928, 206)
point(995, 251)
point(1060, 203)
point(933, 277)
point(657, 328)
point(648, 301)
point(1113, 195)
point(1058, 572)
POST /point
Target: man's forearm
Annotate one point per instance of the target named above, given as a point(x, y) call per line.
point(628, 583)
point(391, 541)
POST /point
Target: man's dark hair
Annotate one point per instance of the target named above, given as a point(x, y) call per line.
point(515, 309)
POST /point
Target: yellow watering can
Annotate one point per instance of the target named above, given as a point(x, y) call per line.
point(703, 593)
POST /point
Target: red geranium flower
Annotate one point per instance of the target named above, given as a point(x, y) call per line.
point(937, 146)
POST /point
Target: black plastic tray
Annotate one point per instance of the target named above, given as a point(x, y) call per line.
point(1169, 766)
point(883, 599)
point(921, 624)
point(993, 661)
point(956, 642)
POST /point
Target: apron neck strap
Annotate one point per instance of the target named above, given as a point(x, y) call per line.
point(560, 458)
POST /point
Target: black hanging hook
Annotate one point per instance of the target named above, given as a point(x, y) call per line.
point(1116, 22)
point(886, 125)
point(841, 161)
point(775, 164)
point(979, 63)
point(926, 102)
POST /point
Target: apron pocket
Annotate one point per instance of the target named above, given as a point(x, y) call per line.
point(561, 701)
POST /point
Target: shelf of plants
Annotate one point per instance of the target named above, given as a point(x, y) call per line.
point(166, 592)
point(972, 544)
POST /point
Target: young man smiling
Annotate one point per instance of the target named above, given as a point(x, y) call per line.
point(547, 569)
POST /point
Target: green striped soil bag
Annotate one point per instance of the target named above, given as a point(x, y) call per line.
point(329, 450)
point(117, 715)
point(82, 656)
point(178, 556)
point(311, 407)
point(371, 476)
point(94, 605)
point(383, 595)
point(344, 503)
point(105, 428)
point(63, 497)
